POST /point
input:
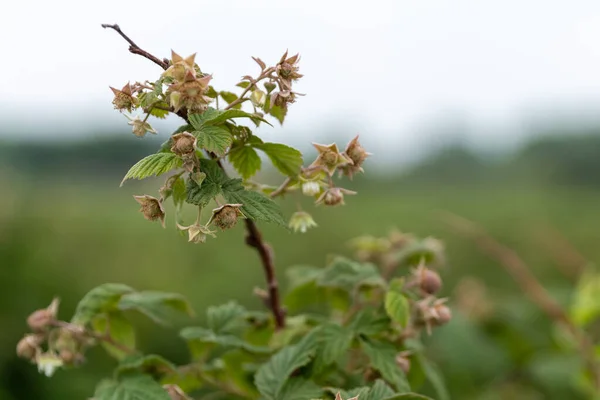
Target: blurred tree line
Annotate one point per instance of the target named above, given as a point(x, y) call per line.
point(545, 160)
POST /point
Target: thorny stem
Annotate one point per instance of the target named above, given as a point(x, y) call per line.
point(529, 284)
point(254, 237)
point(98, 336)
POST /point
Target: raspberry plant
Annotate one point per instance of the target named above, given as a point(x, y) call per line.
point(347, 330)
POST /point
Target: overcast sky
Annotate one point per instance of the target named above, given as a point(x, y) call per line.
point(390, 70)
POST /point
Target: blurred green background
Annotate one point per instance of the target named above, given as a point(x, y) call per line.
point(66, 226)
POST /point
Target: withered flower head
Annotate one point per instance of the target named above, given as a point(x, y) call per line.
point(197, 233)
point(355, 152)
point(283, 98)
point(190, 93)
point(124, 99)
point(287, 70)
point(152, 208)
point(226, 216)
point(180, 66)
point(140, 127)
point(184, 143)
point(330, 158)
point(333, 196)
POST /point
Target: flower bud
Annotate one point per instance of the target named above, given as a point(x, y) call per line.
point(444, 314)
point(311, 188)
point(29, 346)
point(427, 280)
point(41, 319)
point(175, 392)
point(333, 196)
point(403, 361)
point(258, 98)
point(225, 217)
point(301, 221)
point(184, 144)
point(67, 356)
point(152, 208)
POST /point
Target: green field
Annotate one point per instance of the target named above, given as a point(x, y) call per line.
point(65, 238)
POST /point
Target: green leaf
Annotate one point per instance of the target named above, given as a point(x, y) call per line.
point(120, 330)
point(230, 97)
point(226, 317)
point(101, 299)
point(211, 186)
point(397, 307)
point(586, 306)
point(201, 195)
point(346, 274)
point(179, 192)
point(245, 160)
point(211, 92)
point(215, 139)
point(369, 322)
point(286, 159)
point(155, 305)
point(243, 84)
point(335, 342)
point(272, 376)
point(299, 389)
point(207, 336)
point(279, 113)
point(216, 117)
point(256, 206)
point(380, 390)
point(434, 376)
point(153, 165)
point(151, 364)
point(407, 396)
point(137, 387)
point(383, 359)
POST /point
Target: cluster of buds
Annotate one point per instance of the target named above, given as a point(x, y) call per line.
point(64, 343)
point(189, 87)
point(286, 72)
